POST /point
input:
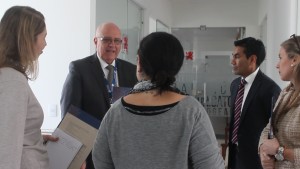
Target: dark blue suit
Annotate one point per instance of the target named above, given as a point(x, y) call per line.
point(255, 116)
point(85, 87)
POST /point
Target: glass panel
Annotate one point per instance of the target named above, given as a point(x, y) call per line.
point(209, 81)
point(216, 98)
point(132, 34)
point(207, 72)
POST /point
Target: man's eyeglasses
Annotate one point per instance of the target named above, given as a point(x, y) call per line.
point(293, 36)
point(109, 40)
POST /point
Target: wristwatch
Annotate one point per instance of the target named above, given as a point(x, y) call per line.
point(279, 155)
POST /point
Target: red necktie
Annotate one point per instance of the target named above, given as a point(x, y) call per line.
point(237, 110)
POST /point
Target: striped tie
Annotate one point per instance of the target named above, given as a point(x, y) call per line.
point(237, 110)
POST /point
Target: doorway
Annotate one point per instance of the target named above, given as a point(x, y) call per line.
point(207, 73)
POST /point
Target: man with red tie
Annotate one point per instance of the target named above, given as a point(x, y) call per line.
point(251, 103)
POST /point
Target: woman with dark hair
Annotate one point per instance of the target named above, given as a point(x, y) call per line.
point(22, 40)
point(283, 151)
point(156, 126)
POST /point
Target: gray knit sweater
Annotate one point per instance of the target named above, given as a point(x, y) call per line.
point(179, 138)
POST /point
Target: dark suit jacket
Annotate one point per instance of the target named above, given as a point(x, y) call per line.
point(85, 87)
point(255, 116)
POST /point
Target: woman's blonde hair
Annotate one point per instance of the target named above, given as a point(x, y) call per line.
point(292, 48)
point(19, 28)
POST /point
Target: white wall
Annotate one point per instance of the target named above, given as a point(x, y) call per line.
point(217, 13)
point(68, 24)
point(281, 23)
point(156, 9)
point(262, 10)
point(108, 10)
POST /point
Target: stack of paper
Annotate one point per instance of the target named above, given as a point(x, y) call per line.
point(62, 152)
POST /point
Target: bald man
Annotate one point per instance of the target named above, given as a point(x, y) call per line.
point(87, 85)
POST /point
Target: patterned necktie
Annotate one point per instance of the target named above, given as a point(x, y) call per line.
point(110, 75)
point(238, 110)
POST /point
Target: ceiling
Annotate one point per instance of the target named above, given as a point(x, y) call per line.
point(203, 32)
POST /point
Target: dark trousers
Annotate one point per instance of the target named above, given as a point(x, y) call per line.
point(235, 158)
point(238, 162)
point(89, 162)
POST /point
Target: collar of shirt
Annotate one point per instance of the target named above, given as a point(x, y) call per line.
point(104, 64)
point(249, 80)
point(251, 77)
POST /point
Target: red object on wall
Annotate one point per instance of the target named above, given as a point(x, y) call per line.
point(189, 55)
point(125, 44)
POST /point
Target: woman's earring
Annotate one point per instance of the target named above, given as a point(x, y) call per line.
point(292, 65)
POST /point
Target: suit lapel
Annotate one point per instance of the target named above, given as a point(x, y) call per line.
point(99, 75)
point(121, 71)
point(97, 70)
point(254, 88)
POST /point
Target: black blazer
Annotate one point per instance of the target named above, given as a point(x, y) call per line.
point(255, 116)
point(85, 87)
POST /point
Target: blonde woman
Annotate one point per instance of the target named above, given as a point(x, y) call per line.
point(283, 151)
point(22, 40)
